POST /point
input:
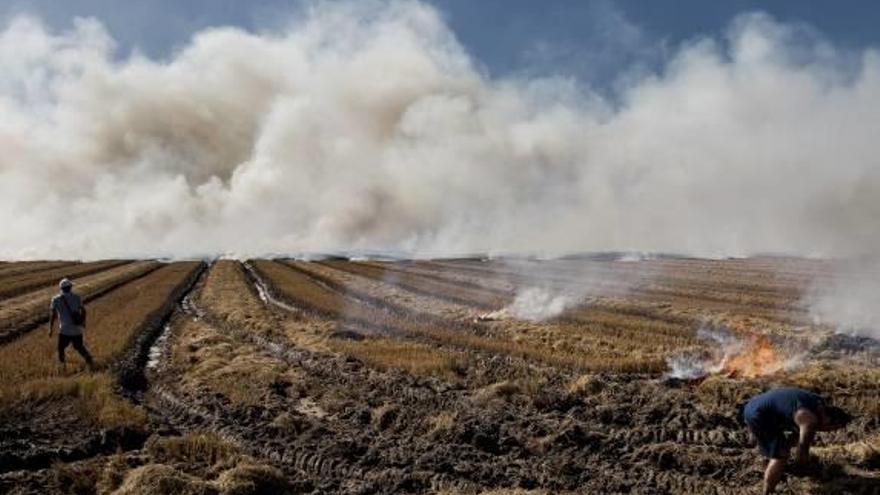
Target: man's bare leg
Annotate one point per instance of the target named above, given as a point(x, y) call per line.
point(773, 474)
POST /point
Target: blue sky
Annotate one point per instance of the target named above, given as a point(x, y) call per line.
point(594, 40)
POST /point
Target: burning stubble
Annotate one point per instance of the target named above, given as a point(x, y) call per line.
point(736, 355)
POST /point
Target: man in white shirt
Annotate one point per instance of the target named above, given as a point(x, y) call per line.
point(68, 308)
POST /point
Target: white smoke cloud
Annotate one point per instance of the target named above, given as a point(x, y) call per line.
point(366, 128)
point(536, 304)
point(547, 288)
point(849, 299)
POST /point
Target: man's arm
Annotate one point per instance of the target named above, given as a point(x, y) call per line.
point(806, 421)
point(51, 320)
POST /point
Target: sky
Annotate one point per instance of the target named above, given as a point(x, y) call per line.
point(596, 41)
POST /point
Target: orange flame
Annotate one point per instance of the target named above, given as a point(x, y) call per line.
point(758, 357)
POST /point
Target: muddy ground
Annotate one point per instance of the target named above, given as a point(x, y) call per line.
point(294, 416)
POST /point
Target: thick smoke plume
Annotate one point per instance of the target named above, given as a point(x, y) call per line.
point(369, 127)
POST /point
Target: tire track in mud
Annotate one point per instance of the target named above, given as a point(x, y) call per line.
point(343, 376)
point(698, 456)
point(715, 437)
point(301, 460)
point(187, 414)
point(269, 293)
point(346, 445)
point(264, 292)
point(680, 438)
point(130, 369)
point(310, 361)
point(309, 460)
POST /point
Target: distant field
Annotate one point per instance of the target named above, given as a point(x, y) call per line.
point(337, 376)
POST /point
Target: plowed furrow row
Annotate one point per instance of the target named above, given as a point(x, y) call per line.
point(620, 332)
point(49, 278)
point(113, 324)
point(502, 364)
point(477, 297)
point(373, 431)
point(423, 270)
point(631, 275)
point(299, 290)
point(294, 454)
point(82, 412)
point(22, 314)
point(248, 311)
point(322, 458)
point(9, 270)
point(384, 295)
point(785, 312)
point(621, 321)
point(321, 297)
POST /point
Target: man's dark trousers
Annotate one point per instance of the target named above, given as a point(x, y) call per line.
point(77, 342)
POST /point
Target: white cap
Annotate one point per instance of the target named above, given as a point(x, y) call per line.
point(65, 283)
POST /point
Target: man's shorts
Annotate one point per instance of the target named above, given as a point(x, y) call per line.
point(772, 445)
point(772, 442)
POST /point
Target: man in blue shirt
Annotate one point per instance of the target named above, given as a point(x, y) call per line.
point(66, 306)
point(788, 410)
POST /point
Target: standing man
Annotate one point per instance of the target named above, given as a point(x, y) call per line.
point(70, 311)
point(789, 410)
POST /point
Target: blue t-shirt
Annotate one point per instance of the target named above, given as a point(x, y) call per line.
point(774, 410)
point(68, 327)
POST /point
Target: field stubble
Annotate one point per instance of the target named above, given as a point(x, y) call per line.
point(379, 381)
point(52, 411)
point(18, 315)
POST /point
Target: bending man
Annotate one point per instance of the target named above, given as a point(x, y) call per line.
point(788, 410)
point(68, 307)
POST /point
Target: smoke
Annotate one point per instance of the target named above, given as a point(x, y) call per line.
point(848, 300)
point(536, 304)
point(690, 367)
point(722, 344)
point(545, 289)
point(367, 126)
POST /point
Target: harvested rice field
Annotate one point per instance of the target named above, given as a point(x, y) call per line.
point(473, 376)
